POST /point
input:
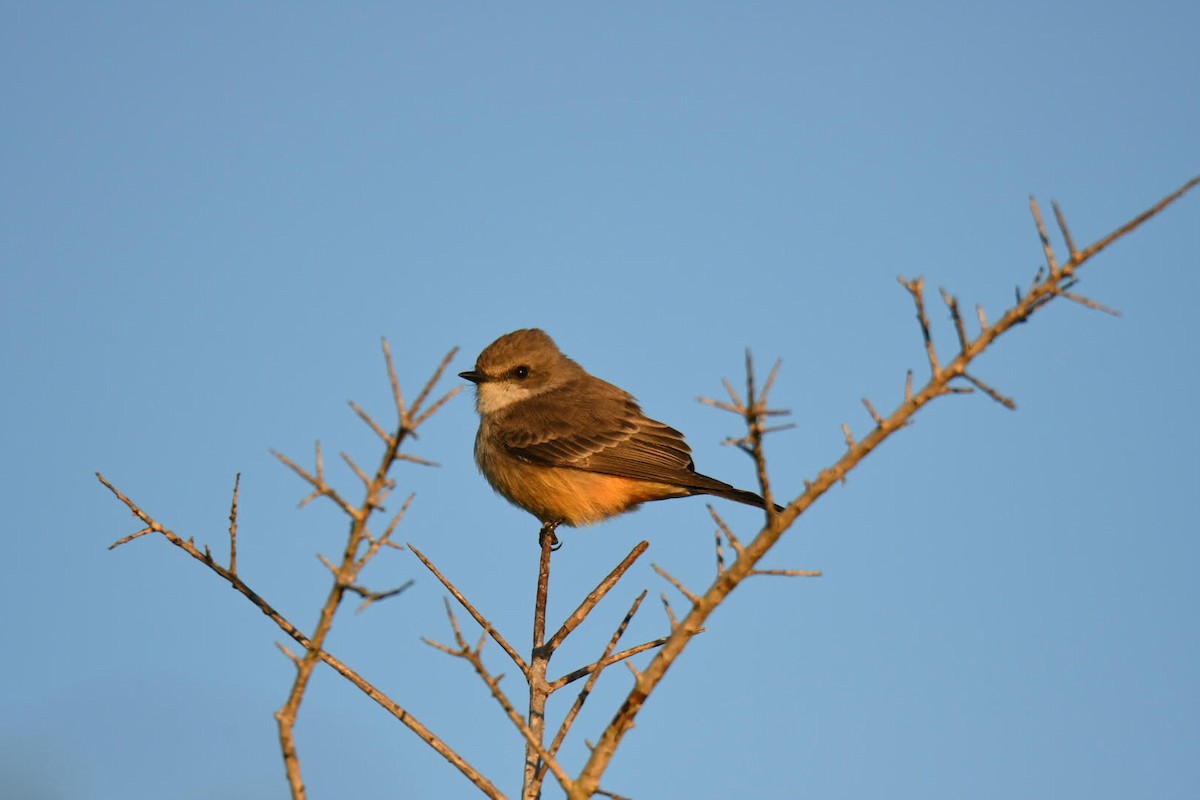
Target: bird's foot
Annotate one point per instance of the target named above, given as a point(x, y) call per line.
point(548, 531)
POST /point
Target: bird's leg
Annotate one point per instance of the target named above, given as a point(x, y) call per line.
point(548, 530)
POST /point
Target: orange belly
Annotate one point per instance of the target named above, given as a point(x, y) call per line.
point(570, 496)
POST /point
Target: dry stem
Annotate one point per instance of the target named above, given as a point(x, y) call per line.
point(345, 573)
point(1048, 287)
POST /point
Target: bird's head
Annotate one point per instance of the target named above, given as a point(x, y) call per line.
point(518, 366)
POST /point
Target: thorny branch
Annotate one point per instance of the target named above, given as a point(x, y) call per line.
point(474, 656)
point(540, 757)
point(1049, 285)
point(1055, 279)
point(361, 547)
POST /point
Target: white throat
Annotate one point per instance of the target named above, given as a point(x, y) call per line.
point(492, 396)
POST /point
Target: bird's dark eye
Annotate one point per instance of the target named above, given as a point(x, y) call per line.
point(522, 372)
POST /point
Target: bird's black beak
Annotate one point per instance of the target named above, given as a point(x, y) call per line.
point(473, 376)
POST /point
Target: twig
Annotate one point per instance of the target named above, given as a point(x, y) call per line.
point(371, 423)
point(1092, 304)
point(344, 576)
point(1134, 223)
point(362, 476)
point(611, 795)
point(474, 656)
point(1047, 250)
point(370, 597)
point(134, 535)
point(539, 663)
point(1003, 400)
point(576, 674)
point(675, 582)
point(871, 410)
point(588, 781)
point(478, 617)
point(397, 395)
point(317, 481)
point(670, 614)
point(600, 664)
point(233, 513)
point(959, 327)
point(1066, 232)
point(428, 387)
point(789, 573)
point(295, 659)
point(385, 538)
point(916, 288)
point(720, 552)
point(385, 702)
point(595, 596)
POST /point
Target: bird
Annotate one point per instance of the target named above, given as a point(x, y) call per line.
point(572, 449)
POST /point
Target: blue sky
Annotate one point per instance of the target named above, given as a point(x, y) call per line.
point(211, 213)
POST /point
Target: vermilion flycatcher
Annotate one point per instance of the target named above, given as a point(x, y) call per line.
point(570, 448)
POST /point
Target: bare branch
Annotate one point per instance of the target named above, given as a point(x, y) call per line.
point(1092, 304)
point(789, 573)
point(720, 552)
point(385, 539)
point(362, 476)
point(478, 617)
point(600, 664)
point(916, 287)
point(428, 387)
point(295, 659)
point(370, 597)
point(956, 390)
point(959, 327)
point(1003, 400)
point(397, 395)
point(675, 582)
point(1135, 223)
point(424, 462)
point(474, 657)
point(233, 513)
point(393, 708)
point(1047, 250)
point(616, 658)
point(670, 614)
point(595, 596)
point(708, 401)
point(436, 645)
point(131, 537)
point(645, 681)
point(539, 664)
point(344, 574)
point(611, 795)
point(871, 410)
point(733, 395)
point(329, 565)
point(1066, 232)
point(387, 438)
point(317, 481)
point(849, 436)
point(725, 529)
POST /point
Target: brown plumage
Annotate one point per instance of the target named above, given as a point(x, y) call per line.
point(569, 447)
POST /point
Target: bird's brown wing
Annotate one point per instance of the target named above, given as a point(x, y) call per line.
point(598, 431)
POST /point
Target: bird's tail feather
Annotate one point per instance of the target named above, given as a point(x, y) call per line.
point(718, 488)
point(743, 496)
